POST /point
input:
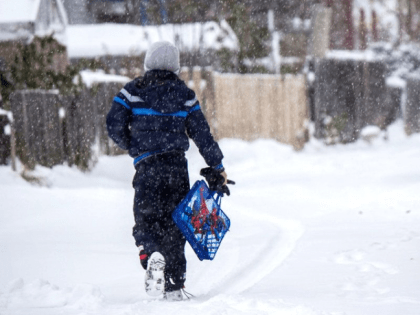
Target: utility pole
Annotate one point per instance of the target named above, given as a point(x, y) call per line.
point(275, 42)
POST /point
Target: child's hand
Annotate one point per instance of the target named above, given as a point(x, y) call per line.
point(224, 176)
point(217, 180)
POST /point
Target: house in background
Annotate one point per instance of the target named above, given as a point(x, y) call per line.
point(79, 11)
point(115, 11)
point(122, 47)
point(22, 20)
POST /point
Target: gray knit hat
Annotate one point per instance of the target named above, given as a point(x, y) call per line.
point(163, 56)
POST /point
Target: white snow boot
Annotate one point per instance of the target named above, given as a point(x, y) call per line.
point(154, 280)
point(173, 295)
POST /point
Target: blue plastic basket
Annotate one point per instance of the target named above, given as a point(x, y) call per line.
point(201, 220)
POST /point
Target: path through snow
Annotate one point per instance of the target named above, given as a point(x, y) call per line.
point(329, 230)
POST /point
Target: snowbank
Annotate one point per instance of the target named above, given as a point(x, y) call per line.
point(42, 294)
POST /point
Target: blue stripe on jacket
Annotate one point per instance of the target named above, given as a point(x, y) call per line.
point(121, 101)
point(146, 155)
point(194, 108)
point(152, 112)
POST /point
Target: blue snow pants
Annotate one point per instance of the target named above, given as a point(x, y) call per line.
point(161, 182)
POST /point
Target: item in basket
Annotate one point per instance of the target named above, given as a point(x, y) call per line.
point(201, 220)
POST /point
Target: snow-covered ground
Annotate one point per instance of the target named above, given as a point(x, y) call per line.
point(328, 230)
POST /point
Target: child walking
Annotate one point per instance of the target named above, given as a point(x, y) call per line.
point(153, 118)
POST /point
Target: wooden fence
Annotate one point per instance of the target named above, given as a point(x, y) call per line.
point(250, 107)
point(353, 94)
point(37, 126)
point(51, 129)
point(237, 106)
point(350, 95)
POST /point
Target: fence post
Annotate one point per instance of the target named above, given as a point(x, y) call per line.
point(79, 131)
point(373, 110)
point(216, 104)
point(69, 142)
point(209, 107)
point(337, 99)
point(301, 132)
point(279, 111)
point(196, 77)
point(19, 112)
point(4, 138)
point(105, 93)
point(13, 145)
point(184, 74)
point(53, 135)
point(320, 37)
point(411, 113)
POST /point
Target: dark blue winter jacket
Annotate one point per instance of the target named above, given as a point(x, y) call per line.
point(156, 114)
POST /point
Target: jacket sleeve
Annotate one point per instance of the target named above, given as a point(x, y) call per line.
point(199, 131)
point(118, 122)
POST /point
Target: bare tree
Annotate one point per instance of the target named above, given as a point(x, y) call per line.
point(342, 31)
point(362, 31)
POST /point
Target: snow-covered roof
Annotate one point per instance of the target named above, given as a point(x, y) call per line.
point(18, 11)
point(90, 77)
point(124, 39)
point(21, 19)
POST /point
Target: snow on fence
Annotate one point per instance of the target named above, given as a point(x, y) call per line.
point(351, 94)
point(249, 107)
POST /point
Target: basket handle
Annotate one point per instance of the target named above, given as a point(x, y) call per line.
point(217, 197)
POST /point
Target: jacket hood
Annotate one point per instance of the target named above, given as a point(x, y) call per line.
point(163, 90)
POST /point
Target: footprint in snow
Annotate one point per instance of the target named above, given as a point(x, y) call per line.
point(349, 257)
point(365, 279)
